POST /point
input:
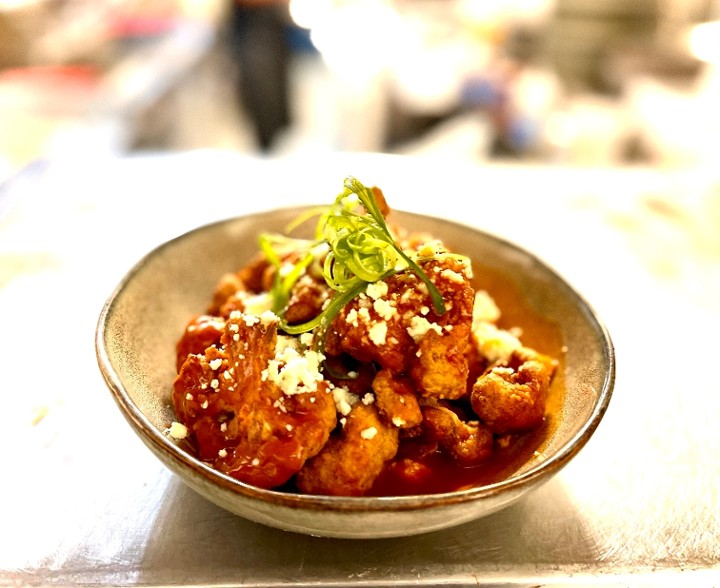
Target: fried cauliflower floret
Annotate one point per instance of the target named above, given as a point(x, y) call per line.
point(350, 463)
point(253, 278)
point(228, 285)
point(396, 400)
point(200, 333)
point(257, 275)
point(248, 291)
point(247, 418)
point(307, 298)
point(395, 325)
point(511, 398)
point(468, 442)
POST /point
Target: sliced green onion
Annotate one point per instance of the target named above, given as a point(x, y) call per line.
point(353, 249)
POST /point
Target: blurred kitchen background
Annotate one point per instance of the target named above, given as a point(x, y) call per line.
point(569, 82)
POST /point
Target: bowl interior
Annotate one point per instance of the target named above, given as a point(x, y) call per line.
point(149, 310)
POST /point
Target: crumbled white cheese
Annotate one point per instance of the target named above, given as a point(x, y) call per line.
point(215, 363)
point(401, 264)
point(280, 404)
point(268, 317)
point(178, 431)
point(344, 400)
point(378, 333)
point(250, 319)
point(453, 276)
point(406, 296)
point(431, 248)
point(420, 326)
point(306, 339)
point(377, 290)
point(295, 372)
point(368, 399)
point(283, 343)
point(399, 422)
point(484, 308)
point(222, 453)
point(493, 343)
point(352, 318)
point(368, 433)
point(467, 267)
point(385, 309)
point(257, 304)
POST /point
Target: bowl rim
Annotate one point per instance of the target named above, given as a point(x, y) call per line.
point(160, 441)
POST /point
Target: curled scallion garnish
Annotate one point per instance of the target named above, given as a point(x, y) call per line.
point(356, 248)
point(361, 244)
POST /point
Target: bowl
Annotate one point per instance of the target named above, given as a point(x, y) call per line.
point(148, 311)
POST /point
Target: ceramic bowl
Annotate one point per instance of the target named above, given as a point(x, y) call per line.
point(146, 314)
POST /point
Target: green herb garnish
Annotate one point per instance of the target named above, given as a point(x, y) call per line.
point(356, 248)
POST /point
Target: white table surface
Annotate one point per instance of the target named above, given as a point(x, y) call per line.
point(82, 501)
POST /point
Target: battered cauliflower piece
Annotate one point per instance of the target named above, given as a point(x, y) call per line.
point(248, 291)
point(253, 278)
point(351, 462)
point(468, 442)
point(200, 333)
point(396, 400)
point(395, 325)
point(307, 298)
point(511, 397)
point(246, 418)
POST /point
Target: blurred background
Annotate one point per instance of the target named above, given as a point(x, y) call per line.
point(576, 82)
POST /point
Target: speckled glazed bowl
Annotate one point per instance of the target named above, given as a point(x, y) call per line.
point(144, 317)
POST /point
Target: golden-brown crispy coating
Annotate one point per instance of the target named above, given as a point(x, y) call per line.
point(468, 442)
point(233, 289)
point(306, 299)
point(396, 400)
point(242, 422)
point(228, 285)
point(390, 323)
point(201, 332)
point(350, 462)
point(511, 398)
point(441, 370)
point(257, 274)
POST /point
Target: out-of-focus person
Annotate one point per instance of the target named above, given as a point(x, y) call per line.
point(258, 41)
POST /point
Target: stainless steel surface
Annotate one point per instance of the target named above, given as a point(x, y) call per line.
point(84, 502)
